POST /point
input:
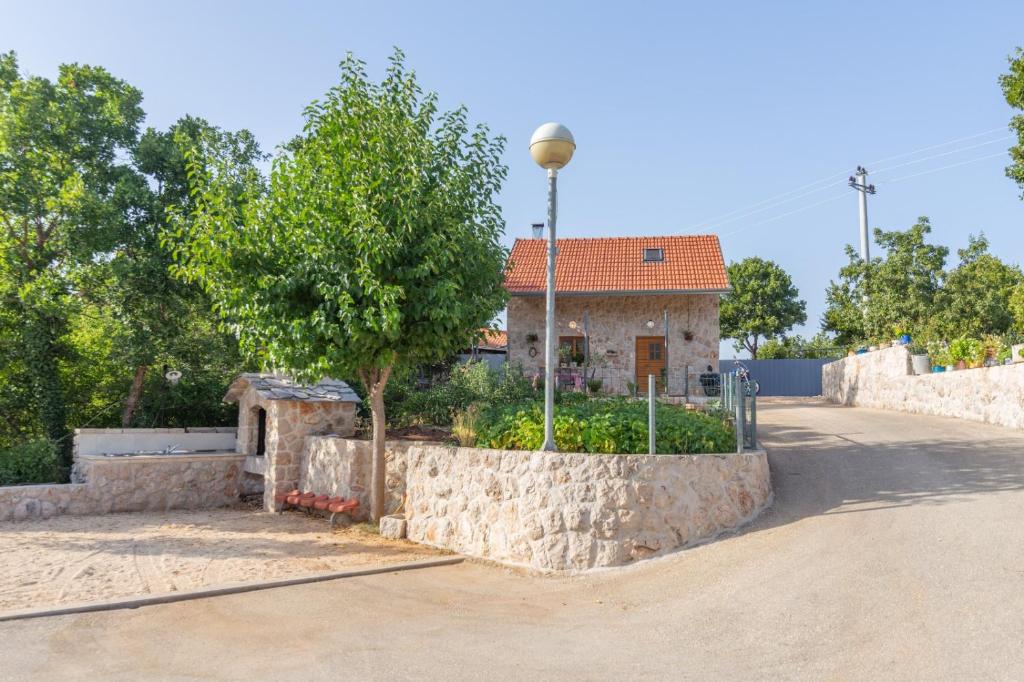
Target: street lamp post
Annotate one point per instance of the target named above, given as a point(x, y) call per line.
point(551, 146)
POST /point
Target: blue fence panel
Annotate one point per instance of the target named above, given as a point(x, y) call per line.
point(796, 377)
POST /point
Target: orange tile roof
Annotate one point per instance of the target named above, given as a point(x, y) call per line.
point(616, 264)
point(494, 339)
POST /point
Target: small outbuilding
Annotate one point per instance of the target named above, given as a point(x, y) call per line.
point(275, 415)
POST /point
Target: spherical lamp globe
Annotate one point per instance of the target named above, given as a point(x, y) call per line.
point(552, 145)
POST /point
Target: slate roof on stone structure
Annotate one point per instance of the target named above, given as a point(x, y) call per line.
point(280, 387)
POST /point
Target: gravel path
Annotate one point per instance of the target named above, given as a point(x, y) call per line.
point(88, 558)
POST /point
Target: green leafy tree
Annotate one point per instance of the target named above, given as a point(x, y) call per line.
point(821, 345)
point(1016, 305)
point(975, 299)
point(62, 150)
point(896, 293)
point(844, 302)
point(157, 315)
point(375, 246)
point(1013, 89)
point(763, 303)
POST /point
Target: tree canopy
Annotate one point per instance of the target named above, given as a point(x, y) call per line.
point(87, 304)
point(908, 290)
point(375, 245)
point(763, 303)
point(891, 295)
point(1013, 89)
point(975, 298)
point(821, 345)
point(62, 175)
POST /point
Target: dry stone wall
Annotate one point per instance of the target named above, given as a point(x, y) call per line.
point(132, 483)
point(549, 511)
point(614, 322)
point(883, 379)
point(342, 467)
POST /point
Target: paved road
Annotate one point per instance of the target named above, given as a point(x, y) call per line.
point(894, 550)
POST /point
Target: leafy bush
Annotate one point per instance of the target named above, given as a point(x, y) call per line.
point(968, 350)
point(609, 425)
point(469, 383)
point(32, 462)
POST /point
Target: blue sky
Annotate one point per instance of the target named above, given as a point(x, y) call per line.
point(684, 113)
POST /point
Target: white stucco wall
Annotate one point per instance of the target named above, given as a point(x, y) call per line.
point(883, 379)
point(119, 441)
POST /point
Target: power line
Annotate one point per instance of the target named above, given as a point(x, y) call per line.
point(787, 213)
point(937, 146)
point(780, 203)
point(840, 196)
point(941, 154)
point(716, 220)
point(941, 168)
point(779, 199)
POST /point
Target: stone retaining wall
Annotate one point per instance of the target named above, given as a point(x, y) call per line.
point(131, 483)
point(549, 511)
point(883, 379)
point(342, 467)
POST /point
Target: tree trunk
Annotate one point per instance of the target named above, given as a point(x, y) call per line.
point(134, 396)
point(375, 381)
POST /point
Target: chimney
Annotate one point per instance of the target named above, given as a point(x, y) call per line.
point(538, 230)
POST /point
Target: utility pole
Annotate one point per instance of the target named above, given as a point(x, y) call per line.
point(859, 182)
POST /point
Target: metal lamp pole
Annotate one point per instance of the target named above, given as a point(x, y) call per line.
point(549, 321)
point(551, 146)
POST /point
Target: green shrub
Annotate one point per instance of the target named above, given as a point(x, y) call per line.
point(610, 425)
point(469, 383)
point(968, 350)
point(32, 462)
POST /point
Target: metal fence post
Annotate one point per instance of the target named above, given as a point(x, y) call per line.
point(650, 413)
point(753, 420)
point(740, 413)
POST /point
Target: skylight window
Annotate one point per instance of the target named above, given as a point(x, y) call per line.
point(654, 255)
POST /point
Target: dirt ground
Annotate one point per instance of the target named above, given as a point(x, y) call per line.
point(73, 559)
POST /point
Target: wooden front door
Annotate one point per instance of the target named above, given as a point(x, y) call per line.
point(650, 359)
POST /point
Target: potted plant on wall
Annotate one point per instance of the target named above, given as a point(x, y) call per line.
point(919, 358)
point(962, 351)
point(939, 356)
point(564, 356)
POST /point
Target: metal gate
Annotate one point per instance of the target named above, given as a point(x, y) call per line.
point(794, 377)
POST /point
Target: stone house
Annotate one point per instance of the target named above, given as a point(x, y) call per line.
point(274, 417)
point(643, 305)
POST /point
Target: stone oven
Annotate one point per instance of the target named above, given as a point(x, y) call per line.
point(275, 415)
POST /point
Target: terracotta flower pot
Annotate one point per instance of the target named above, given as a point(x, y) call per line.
point(961, 364)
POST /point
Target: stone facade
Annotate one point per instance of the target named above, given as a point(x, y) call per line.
point(131, 483)
point(342, 467)
point(288, 422)
point(883, 379)
point(614, 322)
point(549, 511)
